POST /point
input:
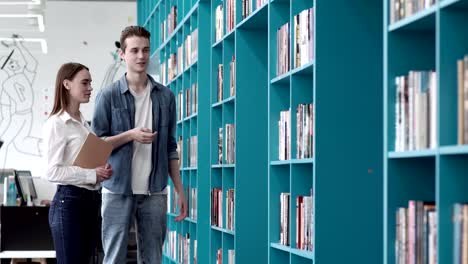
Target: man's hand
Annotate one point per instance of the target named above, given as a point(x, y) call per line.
point(143, 135)
point(182, 208)
point(103, 173)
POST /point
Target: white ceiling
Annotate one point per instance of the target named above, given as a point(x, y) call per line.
point(28, 27)
point(94, 0)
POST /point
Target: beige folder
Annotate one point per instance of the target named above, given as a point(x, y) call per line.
point(93, 153)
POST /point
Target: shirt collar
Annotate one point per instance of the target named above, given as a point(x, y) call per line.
point(65, 116)
point(124, 84)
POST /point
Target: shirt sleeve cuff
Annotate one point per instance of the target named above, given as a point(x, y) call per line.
point(174, 155)
point(91, 176)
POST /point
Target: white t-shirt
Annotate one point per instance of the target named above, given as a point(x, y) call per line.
point(141, 161)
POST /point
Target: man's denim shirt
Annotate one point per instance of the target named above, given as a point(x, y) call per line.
point(115, 114)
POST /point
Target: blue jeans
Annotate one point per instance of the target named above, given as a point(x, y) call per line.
point(74, 223)
point(118, 212)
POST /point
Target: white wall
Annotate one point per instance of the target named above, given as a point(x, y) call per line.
point(69, 25)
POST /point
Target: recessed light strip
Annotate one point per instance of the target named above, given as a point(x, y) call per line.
point(40, 40)
point(33, 2)
point(40, 19)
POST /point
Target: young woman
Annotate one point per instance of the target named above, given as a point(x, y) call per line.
point(73, 215)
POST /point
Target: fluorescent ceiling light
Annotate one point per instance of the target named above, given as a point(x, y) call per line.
point(33, 2)
point(40, 19)
point(40, 40)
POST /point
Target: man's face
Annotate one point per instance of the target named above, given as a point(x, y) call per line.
point(136, 54)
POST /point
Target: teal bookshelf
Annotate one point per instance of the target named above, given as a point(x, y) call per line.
point(190, 16)
point(434, 38)
point(345, 172)
point(243, 103)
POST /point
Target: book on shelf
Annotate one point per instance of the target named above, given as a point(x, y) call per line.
point(192, 151)
point(460, 233)
point(172, 66)
point(171, 200)
point(231, 256)
point(284, 219)
point(185, 248)
point(177, 246)
point(260, 3)
point(400, 9)
point(188, 98)
point(193, 203)
point(230, 209)
point(230, 143)
point(188, 197)
point(247, 8)
point(220, 145)
point(220, 82)
point(180, 59)
point(304, 222)
point(230, 15)
point(195, 255)
point(191, 100)
point(462, 100)
point(188, 43)
point(303, 47)
point(282, 49)
point(190, 48)
point(304, 131)
point(194, 98)
point(180, 147)
point(219, 23)
point(170, 246)
point(232, 76)
point(284, 133)
point(416, 233)
point(416, 111)
point(163, 73)
point(217, 207)
point(169, 24)
point(219, 256)
point(163, 30)
point(188, 160)
point(180, 105)
point(172, 20)
point(194, 48)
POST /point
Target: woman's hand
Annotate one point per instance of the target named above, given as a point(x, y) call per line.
point(103, 173)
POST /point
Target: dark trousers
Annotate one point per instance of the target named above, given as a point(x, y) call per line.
point(74, 223)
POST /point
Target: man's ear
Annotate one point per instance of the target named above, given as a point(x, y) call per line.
point(121, 54)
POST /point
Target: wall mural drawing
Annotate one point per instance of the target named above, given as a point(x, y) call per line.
point(115, 70)
point(17, 74)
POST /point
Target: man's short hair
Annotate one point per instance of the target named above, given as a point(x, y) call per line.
point(132, 31)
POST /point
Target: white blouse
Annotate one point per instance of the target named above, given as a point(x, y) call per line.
point(63, 137)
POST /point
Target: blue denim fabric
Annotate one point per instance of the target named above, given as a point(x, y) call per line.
point(115, 114)
point(151, 223)
point(74, 223)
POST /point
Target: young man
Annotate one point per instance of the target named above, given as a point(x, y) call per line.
point(138, 116)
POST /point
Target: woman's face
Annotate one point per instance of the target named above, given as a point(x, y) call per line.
point(79, 88)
